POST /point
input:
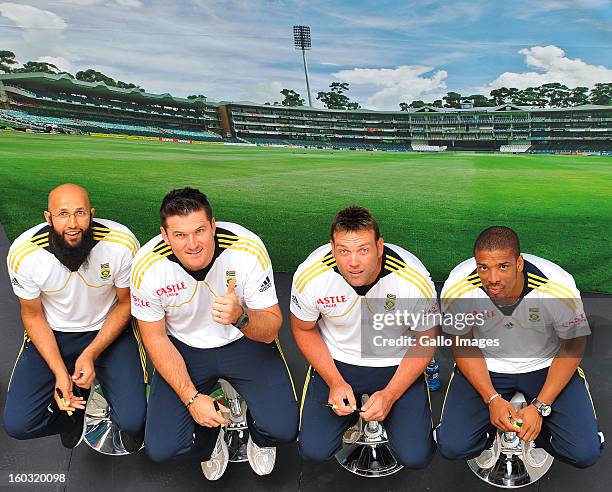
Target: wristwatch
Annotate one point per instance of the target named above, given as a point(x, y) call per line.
point(242, 321)
point(543, 408)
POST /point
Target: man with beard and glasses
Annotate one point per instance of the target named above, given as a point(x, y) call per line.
point(531, 332)
point(71, 275)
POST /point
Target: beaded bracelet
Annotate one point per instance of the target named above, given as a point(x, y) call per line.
point(193, 398)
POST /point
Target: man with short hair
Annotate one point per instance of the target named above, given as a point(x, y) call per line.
point(203, 293)
point(338, 294)
point(71, 275)
point(531, 336)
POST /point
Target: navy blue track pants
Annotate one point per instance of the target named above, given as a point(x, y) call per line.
point(259, 374)
point(408, 424)
point(569, 433)
point(30, 409)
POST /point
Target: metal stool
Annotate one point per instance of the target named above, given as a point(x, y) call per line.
point(236, 432)
point(366, 450)
point(101, 433)
point(510, 468)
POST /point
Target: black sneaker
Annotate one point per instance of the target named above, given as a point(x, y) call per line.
point(72, 438)
point(132, 442)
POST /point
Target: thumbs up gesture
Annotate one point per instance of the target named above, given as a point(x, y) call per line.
point(226, 310)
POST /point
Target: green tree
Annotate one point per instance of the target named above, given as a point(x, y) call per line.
point(532, 96)
point(33, 66)
point(128, 85)
point(478, 100)
point(7, 58)
point(504, 95)
point(198, 96)
point(417, 104)
point(414, 104)
point(91, 75)
point(437, 103)
point(578, 96)
point(335, 97)
point(292, 98)
point(452, 100)
point(555, 94)
point(601, 94)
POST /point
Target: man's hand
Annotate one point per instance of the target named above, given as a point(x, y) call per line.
point(338, 393)
point(378, 406)
point(66, 400)
point(532, 423)
point(84, 371)
point(503, 414)
point(203, 412)
point(226, 310)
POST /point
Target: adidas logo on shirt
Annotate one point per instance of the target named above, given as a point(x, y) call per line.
point(266, 285)
point(16, 283)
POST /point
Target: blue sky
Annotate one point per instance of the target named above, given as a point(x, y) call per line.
point(389, 51)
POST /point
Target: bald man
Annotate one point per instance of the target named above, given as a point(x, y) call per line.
point(71, 275)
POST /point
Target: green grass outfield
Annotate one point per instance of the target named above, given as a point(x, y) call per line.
point(432, 204)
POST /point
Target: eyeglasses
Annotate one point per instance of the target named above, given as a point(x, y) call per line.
point(79, 214)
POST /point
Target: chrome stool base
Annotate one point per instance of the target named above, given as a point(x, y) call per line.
point(101, 434)
point(237, 431)
point(511, 470)
point(366, 451)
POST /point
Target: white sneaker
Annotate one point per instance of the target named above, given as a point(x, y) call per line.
point(215, 467)
point(488, 457)
point(533, 456)
point(261, 459)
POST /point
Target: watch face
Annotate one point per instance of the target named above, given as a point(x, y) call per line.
point(545, 410)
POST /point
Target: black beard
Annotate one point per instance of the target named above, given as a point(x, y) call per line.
point(72, 257)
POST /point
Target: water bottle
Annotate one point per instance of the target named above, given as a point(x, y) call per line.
point(433, 375)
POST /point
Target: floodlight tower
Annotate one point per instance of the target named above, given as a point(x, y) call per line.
point(301, 41)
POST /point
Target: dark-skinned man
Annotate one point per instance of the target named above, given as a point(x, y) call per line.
point(532, 335)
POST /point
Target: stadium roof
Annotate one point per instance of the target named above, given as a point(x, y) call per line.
point(426, 109)
point(63, 81)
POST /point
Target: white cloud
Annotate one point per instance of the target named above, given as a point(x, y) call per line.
point(60, 62)
point(29, 17)
point(268, 91)
point(129, 3)
point(552, 65)
point(548, 5)
point(41, 29)
point(390, 86)
point(124, 3)
point(414, 18)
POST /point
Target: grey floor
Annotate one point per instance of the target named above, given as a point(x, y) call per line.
point(86, 470)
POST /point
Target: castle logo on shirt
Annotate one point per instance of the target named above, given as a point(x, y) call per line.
point(105, 271)
point(171, 290)
point(331, 301)
point(229, 276)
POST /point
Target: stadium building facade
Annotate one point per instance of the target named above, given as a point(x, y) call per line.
point(59, 101)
